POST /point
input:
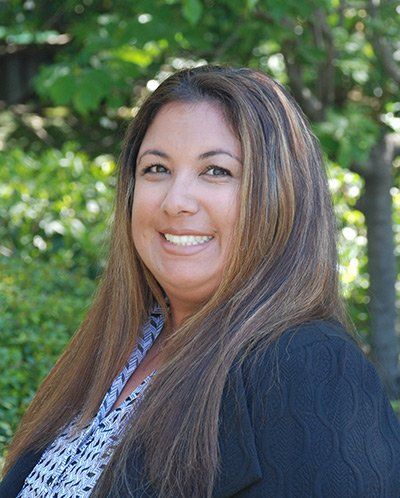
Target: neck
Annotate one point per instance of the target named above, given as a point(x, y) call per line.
point(179, 313)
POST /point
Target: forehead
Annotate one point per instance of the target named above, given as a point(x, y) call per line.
point(187, 124)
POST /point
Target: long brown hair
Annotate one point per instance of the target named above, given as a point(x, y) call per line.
point(282, 272)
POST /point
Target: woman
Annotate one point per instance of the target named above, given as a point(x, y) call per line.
point(214, 361)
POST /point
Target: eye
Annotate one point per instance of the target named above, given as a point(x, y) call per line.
point(218, 171)
point(153, 169)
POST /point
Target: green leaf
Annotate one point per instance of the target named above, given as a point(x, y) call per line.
point(91, 88)
point(250, 4)
point(192, 11)
point(133, 55)
point(63, 89)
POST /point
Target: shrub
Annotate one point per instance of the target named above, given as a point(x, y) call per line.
point(55, 210)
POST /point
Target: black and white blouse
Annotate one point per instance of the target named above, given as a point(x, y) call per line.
point(72, 464)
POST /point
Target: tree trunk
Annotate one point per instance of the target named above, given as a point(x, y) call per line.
point(377, 206)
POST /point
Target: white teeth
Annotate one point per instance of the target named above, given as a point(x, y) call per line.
point(187, 240)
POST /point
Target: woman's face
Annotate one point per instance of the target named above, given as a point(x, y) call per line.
point(186, 198)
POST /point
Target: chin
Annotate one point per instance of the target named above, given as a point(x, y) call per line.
point(191, 289)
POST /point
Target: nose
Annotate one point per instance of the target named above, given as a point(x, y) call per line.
point(180, 198)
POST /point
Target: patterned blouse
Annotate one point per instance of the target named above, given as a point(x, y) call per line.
point(73, 463)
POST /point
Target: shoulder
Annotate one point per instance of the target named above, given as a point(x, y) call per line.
point(320, 357)
point(292, 345)
point(317, 372)
point(321, 417)
point(320, 347)
point(323, 355)
point(315, 332)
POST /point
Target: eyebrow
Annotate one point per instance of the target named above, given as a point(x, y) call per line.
point(204, 155)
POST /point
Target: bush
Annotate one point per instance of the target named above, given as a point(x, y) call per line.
point(55, 209)
point(41, 305)
point(56, 206)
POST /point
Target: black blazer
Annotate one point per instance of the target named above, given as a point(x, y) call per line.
point(328, 430)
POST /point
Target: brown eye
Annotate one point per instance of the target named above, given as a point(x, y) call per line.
point(153, 169)
point(218, 171)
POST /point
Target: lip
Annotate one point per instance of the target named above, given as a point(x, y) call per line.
point(174, 249)
point(174, 231)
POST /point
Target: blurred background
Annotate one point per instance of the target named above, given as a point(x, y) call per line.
point(72, 74)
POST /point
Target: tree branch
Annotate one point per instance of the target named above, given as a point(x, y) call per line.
point(326, 71)
point(310, 104)
point(382, 48)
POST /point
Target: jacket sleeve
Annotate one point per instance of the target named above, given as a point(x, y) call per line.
point(327, 429)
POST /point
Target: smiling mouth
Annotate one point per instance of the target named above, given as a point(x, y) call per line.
point(187, 240)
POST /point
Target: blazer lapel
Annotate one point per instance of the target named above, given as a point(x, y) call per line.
point(240, 466)
point(13, 481)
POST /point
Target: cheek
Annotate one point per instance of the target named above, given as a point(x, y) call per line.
point(143, 207)
point(229, 210)
point(141, 216)
point(229, 218)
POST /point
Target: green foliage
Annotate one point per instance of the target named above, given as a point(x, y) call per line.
point(56, 206)
point(84, 90)
point(55, 209)
point(396, 406)
point(348, 135)
point(41, 305)
point(346, 188)
point(192, 10)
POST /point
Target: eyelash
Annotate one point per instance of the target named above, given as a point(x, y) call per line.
point(148, 170)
